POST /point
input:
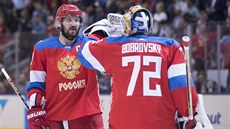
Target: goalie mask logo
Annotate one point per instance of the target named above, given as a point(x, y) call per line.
point(68, 66)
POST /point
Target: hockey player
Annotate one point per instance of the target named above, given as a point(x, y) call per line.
point(148, 75)
point(62, 92)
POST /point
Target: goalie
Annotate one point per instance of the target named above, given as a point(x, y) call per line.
point(148, 75)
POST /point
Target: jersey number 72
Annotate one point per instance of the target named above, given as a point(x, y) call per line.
point(146, 74)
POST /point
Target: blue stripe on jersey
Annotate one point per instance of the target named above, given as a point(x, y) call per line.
point(36, 85)
point(142, 38)
point(179, 81)
point(55, 43)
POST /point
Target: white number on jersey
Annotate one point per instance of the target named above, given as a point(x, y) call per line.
point(146, 74)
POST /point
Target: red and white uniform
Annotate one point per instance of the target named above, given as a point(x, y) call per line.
point(70, 89)
point(148, 79)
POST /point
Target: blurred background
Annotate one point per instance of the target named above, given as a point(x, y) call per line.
point(206, 22)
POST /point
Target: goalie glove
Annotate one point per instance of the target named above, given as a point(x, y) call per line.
point(200, 120)
point(103, 27)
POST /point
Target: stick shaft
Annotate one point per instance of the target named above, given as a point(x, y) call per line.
point(186, 40)
point(14, 87)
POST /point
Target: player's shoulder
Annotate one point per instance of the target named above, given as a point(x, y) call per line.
point(46, 43)
point(143, 38)
point(163, 40)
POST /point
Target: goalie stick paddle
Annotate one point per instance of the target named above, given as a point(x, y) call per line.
point(13, 86)
point(186, 41)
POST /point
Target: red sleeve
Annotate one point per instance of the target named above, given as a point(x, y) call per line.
point(178, 82)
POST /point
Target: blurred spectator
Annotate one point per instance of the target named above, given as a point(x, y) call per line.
point(87, 17)
point(176, 21)
point(38, 27)
point(211, 86)
point(203, 85)
point(51, 30)
point(201, 82)
point(159, 19)
point(113, 6)
point(104, 81)
point(201, 45)
point(225, 50)
point(4, 30)
point(200, 4)
point(191, 13)
point(181, 5)
point(6, 6)
point(19, 5)
point(99, 14)
point(40, 10)
point(216, 10)
point(24, 21)
point(202, 18)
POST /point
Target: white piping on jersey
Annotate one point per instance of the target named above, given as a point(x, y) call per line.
point(90, 58)
point(37, 76)
point(176, 70)
point(65, 124)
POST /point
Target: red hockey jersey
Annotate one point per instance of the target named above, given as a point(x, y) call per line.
point(148, 79)
point(70, 89)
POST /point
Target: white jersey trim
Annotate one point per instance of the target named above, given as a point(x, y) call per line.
point(65, 124)
point(32, 99)
point(37, 76)
point(176, 70)
point(91, 59)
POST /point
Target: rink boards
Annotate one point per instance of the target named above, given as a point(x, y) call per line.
point(12, 111)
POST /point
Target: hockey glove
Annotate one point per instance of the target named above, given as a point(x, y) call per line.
point(185, 123)
point(103, 27)
point(37, 118)
point(200, 121)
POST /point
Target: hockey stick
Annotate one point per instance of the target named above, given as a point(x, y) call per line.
point(186, 41)
point(13, 86)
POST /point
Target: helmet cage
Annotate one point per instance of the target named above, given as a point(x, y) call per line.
point(131, 24)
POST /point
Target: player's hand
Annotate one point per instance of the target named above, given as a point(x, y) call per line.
point(37, 118)
point(185, 123)
point(103, 27)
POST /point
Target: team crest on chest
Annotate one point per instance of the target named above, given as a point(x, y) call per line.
point(68, 66)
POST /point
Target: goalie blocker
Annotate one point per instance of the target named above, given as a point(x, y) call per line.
point(201, 120)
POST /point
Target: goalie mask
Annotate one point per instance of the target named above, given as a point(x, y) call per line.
point(137, 20)
point(69, 13)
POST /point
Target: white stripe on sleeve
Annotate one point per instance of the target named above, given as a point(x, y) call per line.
point(32, 99)
point(91, 59)
point(37, 76)
point(176, 70)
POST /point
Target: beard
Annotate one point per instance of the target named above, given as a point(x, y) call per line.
point(71, 33)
